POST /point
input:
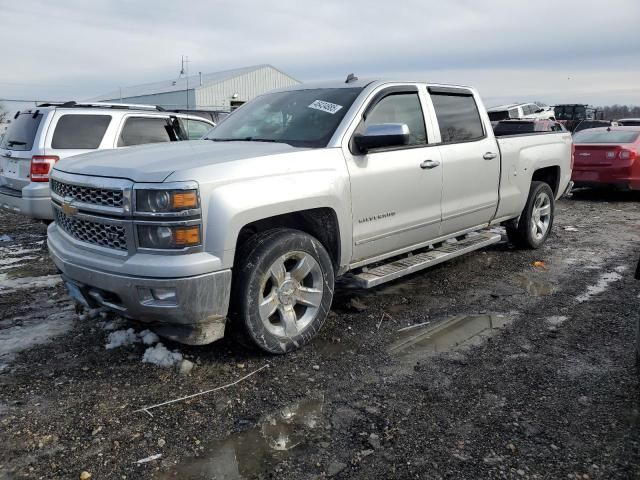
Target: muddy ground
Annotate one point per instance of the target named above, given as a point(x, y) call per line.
point(523, 368)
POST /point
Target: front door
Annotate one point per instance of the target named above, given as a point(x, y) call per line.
point(395, 197)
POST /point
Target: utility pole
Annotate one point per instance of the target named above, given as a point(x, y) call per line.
point(185, 71)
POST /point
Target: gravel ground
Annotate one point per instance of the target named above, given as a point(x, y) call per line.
point(520, 365)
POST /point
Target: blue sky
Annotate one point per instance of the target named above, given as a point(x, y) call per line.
point(554, 51)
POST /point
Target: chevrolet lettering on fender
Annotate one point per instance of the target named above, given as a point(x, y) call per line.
point(247, 229)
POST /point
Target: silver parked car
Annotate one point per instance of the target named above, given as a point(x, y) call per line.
point(38, 138)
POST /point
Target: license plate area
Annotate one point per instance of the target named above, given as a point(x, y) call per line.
point(12, 168)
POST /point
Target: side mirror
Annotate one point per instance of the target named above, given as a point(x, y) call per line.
point(382, 135)
point(540, 110)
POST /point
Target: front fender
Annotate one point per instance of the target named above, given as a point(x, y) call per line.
point(233, 205)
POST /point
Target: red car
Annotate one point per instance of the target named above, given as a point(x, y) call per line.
point(607, 157)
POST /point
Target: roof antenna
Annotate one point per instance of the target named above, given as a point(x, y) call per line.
point(351, 78)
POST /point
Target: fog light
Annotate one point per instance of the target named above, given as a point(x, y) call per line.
point(164, 294)
point(162, 297)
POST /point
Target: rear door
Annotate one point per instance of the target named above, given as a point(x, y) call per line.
point(74, 132)
point(470, 159)
point(22, 140)
point(395, 200)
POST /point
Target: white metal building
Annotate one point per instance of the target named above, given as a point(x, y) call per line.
point(212, 91)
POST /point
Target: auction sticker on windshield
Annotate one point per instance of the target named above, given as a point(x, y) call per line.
point(325, 106)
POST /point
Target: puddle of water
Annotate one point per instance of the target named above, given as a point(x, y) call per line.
point(451, 334)
point(535, 287)
point(254, 451)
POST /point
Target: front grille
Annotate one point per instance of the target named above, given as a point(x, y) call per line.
point(109, 236)
point(92, 195)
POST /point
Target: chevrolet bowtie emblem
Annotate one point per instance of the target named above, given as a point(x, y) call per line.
point(69, 209)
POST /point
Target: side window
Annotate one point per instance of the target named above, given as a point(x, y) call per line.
point(513, 113)
point(195, 129)
point(140, 130)
point(458, 117)
point(80, 131)
point(399, 108)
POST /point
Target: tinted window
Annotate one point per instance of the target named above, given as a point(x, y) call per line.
point(514, 128)
point(458, 117)
point(140, 130)
point(496, 116)
point(302, 118)
point(22, 132)
point(604, 136)
point(399, 108)
point(195, 129)
point(80, 131)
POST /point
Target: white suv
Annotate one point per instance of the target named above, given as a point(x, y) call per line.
point(38, 138)
point(521, 110)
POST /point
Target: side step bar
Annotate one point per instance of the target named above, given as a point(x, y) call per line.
point(397, 268)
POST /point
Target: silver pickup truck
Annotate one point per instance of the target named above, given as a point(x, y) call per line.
point(248, 229)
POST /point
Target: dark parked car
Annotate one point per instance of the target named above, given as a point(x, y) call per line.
point(587, 124)
point(629, 122)
point(571, 114)
point(519, 127)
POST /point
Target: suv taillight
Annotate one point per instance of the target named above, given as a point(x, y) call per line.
point(41, 165)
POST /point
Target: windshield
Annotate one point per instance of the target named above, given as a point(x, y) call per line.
point(22, 132)
point(606, 136)
point(301, 118)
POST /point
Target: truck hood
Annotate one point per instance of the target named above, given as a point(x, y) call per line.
point(154, 163)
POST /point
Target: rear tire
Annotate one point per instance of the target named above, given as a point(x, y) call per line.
point(536, 220)
point(282, 289)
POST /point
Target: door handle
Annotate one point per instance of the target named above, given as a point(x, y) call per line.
point(428, 164)
point(489, 156)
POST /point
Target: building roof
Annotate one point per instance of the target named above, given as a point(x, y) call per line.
point(183, 83)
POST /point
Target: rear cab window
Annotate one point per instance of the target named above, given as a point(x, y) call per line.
point(21, 134)
point(80, 131)
point(143, 130)
point(457, 114)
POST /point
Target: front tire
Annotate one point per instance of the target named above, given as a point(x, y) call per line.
point(536, 220)
point(282, 289)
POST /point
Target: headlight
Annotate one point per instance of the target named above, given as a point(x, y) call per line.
point(168, 237)
point(166, 201)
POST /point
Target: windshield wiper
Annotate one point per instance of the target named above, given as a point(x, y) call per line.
point(11, 143)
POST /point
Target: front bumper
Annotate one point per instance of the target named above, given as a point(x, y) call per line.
point(19, 201)
point(195, 315)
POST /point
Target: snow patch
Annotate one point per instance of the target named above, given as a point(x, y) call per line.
point(36, 331)
point(161, 356)
point(122, 338)
point(5, 238)
point(557, 320)
point(603, 283)
point(570, 229)
point(9, 285)
point(148, 337)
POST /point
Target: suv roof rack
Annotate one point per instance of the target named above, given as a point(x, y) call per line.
point(115, 106)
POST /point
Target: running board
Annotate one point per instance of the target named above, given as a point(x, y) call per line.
point(371, 277)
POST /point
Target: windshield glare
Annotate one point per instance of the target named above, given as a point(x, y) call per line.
point(301, 118)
